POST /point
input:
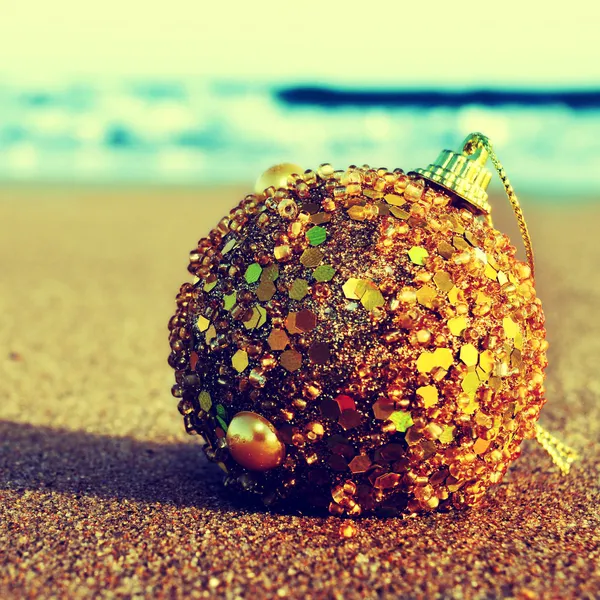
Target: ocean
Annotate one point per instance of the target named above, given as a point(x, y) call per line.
point(197, 132)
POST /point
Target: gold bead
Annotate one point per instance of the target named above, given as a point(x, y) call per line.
point(276, 176)
point(253, 442)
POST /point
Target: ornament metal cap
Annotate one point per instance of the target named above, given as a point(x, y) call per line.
point(463, 173)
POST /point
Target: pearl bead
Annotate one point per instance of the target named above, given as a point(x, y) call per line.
point(253, 442)
point(276, 176)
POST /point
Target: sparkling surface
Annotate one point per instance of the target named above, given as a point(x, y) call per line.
point(381, 351)
point(103, 495)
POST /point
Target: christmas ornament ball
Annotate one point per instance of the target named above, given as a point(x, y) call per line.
point(360, 340)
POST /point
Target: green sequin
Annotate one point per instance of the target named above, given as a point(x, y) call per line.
point(298, 289)
point(316, 235)
point(418, 255)
point(229, 300)
point(324, 273)
point(253, 273)
point(205, 401)
point(401, 419)
point(230, 245)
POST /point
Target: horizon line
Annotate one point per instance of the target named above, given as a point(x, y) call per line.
point(335, 97)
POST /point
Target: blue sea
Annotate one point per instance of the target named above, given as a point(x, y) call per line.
point(188, 132)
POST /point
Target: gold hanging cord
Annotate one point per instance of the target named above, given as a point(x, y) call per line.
point(561, 454)
point(477, 140)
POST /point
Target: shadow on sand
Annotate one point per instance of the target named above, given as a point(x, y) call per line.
point(45, 459)
point(39, 458)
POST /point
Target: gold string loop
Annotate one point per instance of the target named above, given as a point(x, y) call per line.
point(561, 454)
point(477, 140)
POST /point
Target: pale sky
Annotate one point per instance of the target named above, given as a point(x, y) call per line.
point(400, 42)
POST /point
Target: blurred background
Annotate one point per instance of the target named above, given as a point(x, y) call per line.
point(187, 92)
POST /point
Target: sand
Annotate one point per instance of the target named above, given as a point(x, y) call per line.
point(103, 494)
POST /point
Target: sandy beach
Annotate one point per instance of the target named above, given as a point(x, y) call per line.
point(103, 495)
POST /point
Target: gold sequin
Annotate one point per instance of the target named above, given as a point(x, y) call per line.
point(350, 419)
point(453, 296)
point(425, 362)
point(457, 325)
point(443, 281)
point(447, 434)
point(372, 299)
point(265, 290)
point(350, 288)
point(481, 256)
point(278, 339)
point(429, 394)
point(324, 273)
point(519, 341)
point(360, 464)
point(502, 278)
point(455, 224)
point(482, 298)
point(481, 445)
point(469, 355)
point(460, 243)
point(399, 213)
point(210, 334)
point(383, 408)
point(282, 252)
point(441, 357)
point(257, 319)
point(472, 405)
point(426, 295)
point(445, 250)
point(402, 420)
point(373, 194)
point(511, 329)
point(483, 375)
point(311, 257)
point(240, 360)
point(395, 200)
point(516, 360)
point(291, 360)
point(202, 323)
point(407, 296)
point(319, 218)
point(270, 273)
point(490, 272)
point(357, 213)
point(486, 361)
point(290, 323)
point(470, 384)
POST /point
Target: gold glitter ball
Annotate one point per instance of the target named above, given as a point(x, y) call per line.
point(361, 341)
